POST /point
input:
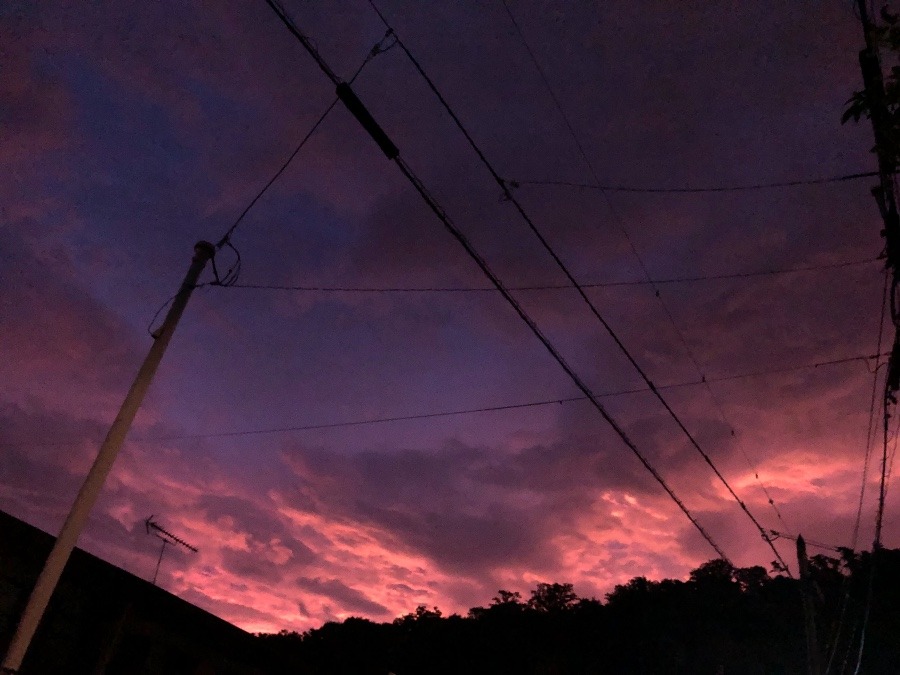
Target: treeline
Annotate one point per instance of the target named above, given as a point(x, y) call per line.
point(722, 620)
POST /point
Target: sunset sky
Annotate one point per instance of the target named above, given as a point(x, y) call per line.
point(132, 130)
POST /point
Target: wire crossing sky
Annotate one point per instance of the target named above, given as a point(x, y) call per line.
point(390, 150)
point(652, 387)
point(694, 190)
point(469, 411)
point(600, 284)
point(370, 429)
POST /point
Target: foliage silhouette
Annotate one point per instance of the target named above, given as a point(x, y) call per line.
point(739, 621)
point(887, 39)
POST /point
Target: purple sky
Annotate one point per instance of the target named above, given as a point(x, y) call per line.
point(133, 130)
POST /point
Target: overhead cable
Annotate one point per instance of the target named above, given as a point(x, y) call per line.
point(463, 411)
point(693, 190)
point(870, 439)
point(886, 199)
point(574, 283)
point(717, 404)
point(390, 150)
point(882, 484)
point(553, 287)
point(870, 433)
point(230, 277)
point(511, 406)
point(809, 542)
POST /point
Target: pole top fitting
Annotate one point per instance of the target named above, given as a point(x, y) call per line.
point(204, 250)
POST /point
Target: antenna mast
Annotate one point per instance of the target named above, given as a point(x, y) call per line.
point(96, 477)
point(167, 539)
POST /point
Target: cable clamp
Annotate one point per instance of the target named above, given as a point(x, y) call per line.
point(379, 47)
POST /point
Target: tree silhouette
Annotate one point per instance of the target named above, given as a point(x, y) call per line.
point(739, 621)
point(552, 597)
point(861, 104)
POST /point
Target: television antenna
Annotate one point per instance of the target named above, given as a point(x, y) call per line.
point(167, 539)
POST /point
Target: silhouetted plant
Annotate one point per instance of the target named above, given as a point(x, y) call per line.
point(740, 621)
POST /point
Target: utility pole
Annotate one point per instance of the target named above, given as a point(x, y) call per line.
point(809, 616)
point(90, 489)
point(873, 83)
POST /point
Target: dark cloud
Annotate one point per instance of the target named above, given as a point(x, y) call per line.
point(138, 129)
point(252, 565)
point(348, 598)
point(407, 589)
point(247, 515)
point(266, 536)
point(468, 509)
point(243, 613)
point(44, 453)
point(65, 341)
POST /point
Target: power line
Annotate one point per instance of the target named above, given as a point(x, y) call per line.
point(281, 169)
point(871, 427)
point(233, 273)
point(554, 287)
point(886, 199)
point(230, 277)
point(681, 337)
point(562, 266)
point(695, 190)
point(882, 486)
point(364, 117)
point(870, 432)
point(556, 355)
point(893, 455)
point(511, 406)
point(464, 411)
point(809, 542)
point(845, 600)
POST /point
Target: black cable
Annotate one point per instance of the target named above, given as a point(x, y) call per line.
point(230, 278)
point(150, 331)
point(885, 198)
point(380, 420)
point(391, 151)
point(225, 238)
point(876, 545)
point(562, 266)
point(305, 41)
point(871, 427)
point(499, 408)
point(870, 589)
point(717, 404)
point(809, 542)
point(234, 271)
point(879, 516)
point(845, 595)
point(893, 456)
point(553, 287)
point(851, 639)
point(689, 190)
point(438, 211)
point(464, 411)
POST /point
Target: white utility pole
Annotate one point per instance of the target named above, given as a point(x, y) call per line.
point(90, 490)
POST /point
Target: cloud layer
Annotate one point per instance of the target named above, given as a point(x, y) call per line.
point(139, 130)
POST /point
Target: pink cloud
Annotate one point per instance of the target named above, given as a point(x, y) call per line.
point(133, 137)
